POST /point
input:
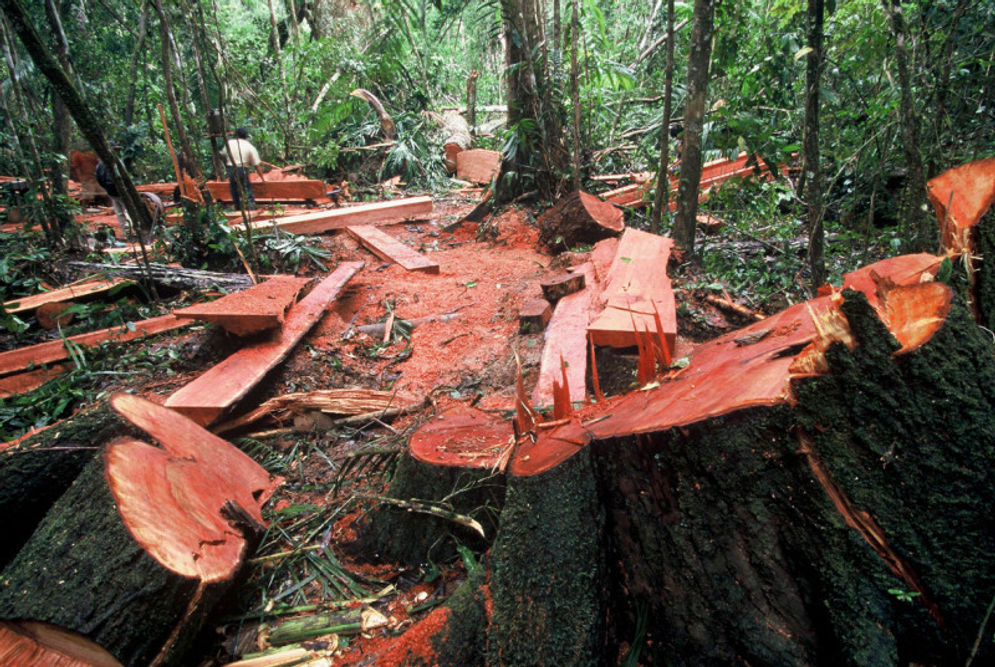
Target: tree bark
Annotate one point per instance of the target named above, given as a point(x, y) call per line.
point(136, 57)
point(694, 113)
point(925, 238)
point(168, 276)
point(62, 125)
point(662, 195)
point(165, 40)
point(813, 170)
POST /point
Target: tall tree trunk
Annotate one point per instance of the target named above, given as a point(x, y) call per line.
point(813, 172)
point(197, 46)
point(37, 169)
point(136, 57)
point(694, 114)
point(86, 121)
point(946, 64)
point(575, 90)
point(661, 198)
point(62, 127)
point(167, 74)
point(924, 227)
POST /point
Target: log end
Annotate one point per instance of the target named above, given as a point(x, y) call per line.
point(32, 643)
point(462, 437)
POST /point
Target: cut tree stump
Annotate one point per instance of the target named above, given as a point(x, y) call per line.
point(564, 353)
point(557, 287)
point(215, 391)
point(144, 543)
point(55, 350)
point(534, 316)
point(70, 293)
point(250, 311)
point(637, 294)
point(379, 213)
point(964, 199)
point(390, 249)
point(289, 190)
point(451, 465)
point(817, 484)
point(478, 165)
point(577, 219)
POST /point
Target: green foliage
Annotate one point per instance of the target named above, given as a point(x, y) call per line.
point(203, 240)
point(285, 253)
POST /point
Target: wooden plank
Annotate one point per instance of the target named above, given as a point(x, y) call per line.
point(22, 383)
point(64, 294)
point(566, 342)
point(220, 387)
point(282, 190)
point(378, 213)
point(478, 165)
point(635, 289)
point(390, 249)
point(534, 316)
point(45, 353)
point(249, 311)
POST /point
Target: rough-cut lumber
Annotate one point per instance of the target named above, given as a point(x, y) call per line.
point(478, 165)
point(379, 213)
point(557, 287)
point(576, 219)
point(255, 309)
point(91, 565)
point(459, 449)
point(390, 249)
point(636, 293)
point(46, 353)
point(288, 190)
point(33, 644)
point(22, 383)
point(175, 277)
point(69, 293)
point(216, 390)
point(835, 501)
point(534, 316)
point(564, 353)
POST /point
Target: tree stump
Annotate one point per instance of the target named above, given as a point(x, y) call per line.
point(144, 543)
point(815, 487)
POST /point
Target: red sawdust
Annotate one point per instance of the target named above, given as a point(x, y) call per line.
point(413, 648)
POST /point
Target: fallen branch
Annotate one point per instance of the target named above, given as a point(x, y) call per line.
point(734, 307)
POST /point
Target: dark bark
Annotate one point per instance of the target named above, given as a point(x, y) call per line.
point(36, 471)
point(694, 113)
point(813, 171)
point(923, 226)
point(62, 123)
point(662, 195)
point(82, 570)
point(165, 40)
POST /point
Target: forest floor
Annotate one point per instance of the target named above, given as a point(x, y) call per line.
point(312, 559)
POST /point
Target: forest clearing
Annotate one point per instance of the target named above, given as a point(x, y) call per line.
point(624, 342)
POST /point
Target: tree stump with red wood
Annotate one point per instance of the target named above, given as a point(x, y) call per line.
point(577, 219)
point(145, 542)
point(819, 490)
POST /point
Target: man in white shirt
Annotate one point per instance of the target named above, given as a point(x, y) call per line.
point(239, 155)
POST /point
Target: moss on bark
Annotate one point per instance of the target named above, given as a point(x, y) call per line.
point(547, 570)
point(82, 570)
point(413, 538)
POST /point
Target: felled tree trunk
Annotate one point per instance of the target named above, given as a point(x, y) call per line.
point(578, 218)
point(812, 489)
point(144, 543)
point(458, 138)
point(171, 277)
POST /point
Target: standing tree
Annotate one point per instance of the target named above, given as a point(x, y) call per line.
point(923, 226)
point(538, 158)
point(702, 27)
point(661, 196)
point(813, 174)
